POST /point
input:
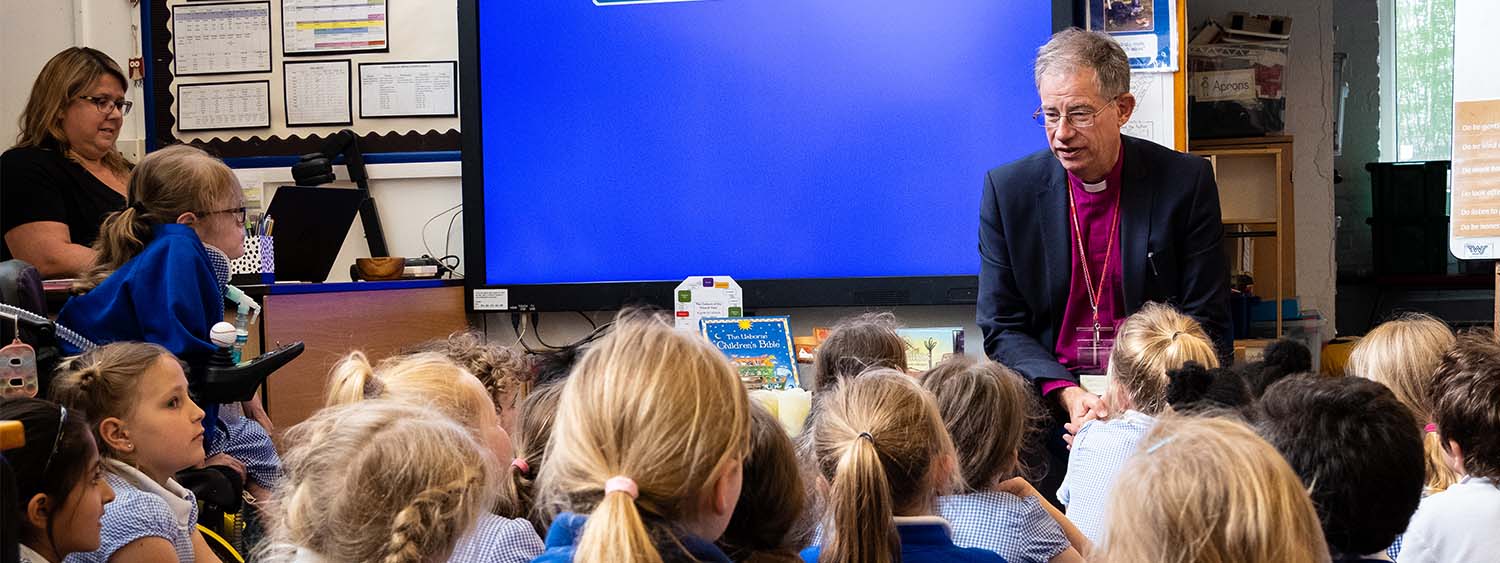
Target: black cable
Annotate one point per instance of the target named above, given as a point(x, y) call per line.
point(448, 242)
point(592, 325)
point(536, 330)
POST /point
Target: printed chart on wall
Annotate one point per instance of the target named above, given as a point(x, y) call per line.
point(275, 78)
point(1475, 224)
point(314, 27)
point(222, 38)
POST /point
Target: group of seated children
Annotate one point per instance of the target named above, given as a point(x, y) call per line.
point(644, 446)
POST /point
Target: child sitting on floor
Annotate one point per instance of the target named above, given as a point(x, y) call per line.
point(148, 429)
point(647, 453)
point(1209, 489)
point(60, 482)
point(379, 481)
point(882, 450)
point(1459, 523)
point(1149, 343)
point(1358, 451)
point(987, 408)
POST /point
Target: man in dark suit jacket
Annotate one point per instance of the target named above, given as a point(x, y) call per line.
point(1147, 218)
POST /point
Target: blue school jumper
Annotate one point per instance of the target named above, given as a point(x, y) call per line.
point(169, 295)
point(925, 539)
point(567, 528)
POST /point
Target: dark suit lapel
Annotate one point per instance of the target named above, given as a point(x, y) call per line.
point(1136, 199)
point(1053, 221)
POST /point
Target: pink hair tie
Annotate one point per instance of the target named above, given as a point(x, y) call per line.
point(1430, 428)
point(520, 465)
point(622, 484)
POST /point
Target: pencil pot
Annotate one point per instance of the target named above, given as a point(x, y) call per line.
point(258, 264)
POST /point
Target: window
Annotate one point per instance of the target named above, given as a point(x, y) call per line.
point(1423, 80)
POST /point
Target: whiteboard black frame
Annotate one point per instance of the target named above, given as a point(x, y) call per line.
point(201, 84)
point(457, 85)
point(286, 106)
point(604, 296)
point(270, 53)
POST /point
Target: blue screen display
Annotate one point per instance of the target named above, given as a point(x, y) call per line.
point(761, 139)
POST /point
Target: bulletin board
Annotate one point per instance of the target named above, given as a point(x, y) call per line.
point(1158, 78)
point(271, 79)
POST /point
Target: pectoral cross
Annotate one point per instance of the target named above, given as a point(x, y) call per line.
point(1094, 342)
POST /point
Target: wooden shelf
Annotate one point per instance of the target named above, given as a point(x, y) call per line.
point(1238, 221)
point(1254, 176)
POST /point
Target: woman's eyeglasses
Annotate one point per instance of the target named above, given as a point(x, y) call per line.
point(106, 105)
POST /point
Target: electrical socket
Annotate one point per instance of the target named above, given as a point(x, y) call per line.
point(132, 149)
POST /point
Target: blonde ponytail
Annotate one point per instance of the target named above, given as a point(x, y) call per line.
point(878, 441)
point(1151, 342)
point(661, 407)
point(615, 529)
point(167, 183)
point(860, 508)
point(352, 380)
point(1402, 354)
point(122, 236)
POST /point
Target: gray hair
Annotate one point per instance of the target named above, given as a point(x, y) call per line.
point(1073, 49)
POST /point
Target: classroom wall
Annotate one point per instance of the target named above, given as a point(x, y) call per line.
point(1309, 91)
point(31, 31)
point(407, 195)
point(1357, 33)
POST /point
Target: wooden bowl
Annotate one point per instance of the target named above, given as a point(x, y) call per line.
point(376, 269)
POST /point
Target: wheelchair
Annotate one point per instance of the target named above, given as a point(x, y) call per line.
point(220, 491)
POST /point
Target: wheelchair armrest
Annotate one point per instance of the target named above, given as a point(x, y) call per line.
point(216, 485)
point(232, 384)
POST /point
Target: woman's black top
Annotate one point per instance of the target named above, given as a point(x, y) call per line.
point(43, 184)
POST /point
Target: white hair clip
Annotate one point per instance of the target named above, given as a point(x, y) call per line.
point(1158, 445)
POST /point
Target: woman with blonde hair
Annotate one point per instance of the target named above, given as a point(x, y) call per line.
point(1153, 341)
point(1402, 354)
point(1208, 490)
point(64, 174)
point(430, 380)
point(881, 449)
point(378, 481)
point(647, 453)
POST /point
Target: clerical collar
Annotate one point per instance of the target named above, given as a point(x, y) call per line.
point(1113, 177)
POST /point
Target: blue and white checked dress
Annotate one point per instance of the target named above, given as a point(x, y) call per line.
point(246, 441)
point(496, 539)
point(1019, 529)
point(143, 509)
point(1100, 451)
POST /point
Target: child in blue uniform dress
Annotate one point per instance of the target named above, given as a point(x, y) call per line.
point(986, 407)
point(880, 444)
point(155, 281)
point(148, 429)
point(647, 452)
